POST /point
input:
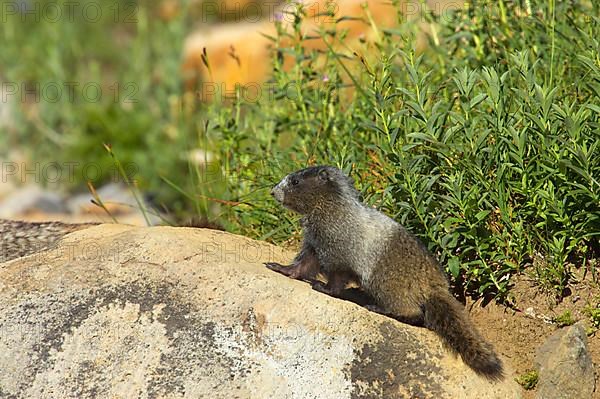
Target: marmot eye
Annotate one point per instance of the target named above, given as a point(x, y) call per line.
point(295, 182)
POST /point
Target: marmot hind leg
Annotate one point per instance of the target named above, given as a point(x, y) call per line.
point(336, 287)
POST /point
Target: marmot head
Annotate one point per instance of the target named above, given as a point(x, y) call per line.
point(316, 187)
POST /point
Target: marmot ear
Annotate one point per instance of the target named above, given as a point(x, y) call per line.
point(323, 175)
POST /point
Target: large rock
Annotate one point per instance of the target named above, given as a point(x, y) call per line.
point(127, 312)
point(565, 367)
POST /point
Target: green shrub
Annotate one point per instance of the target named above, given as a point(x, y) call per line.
point(593, 312)
point(564, 319)
point(478, 149)
point(486, 145)
point(528, 380)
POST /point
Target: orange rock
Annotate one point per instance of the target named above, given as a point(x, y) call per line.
point(241, 53)
point(235, 54)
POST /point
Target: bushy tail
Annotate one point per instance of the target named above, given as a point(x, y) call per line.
point(445, 316)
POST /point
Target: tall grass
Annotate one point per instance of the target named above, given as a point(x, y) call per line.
point(113, 78)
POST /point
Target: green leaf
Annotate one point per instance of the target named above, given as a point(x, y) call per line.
point(454, 266)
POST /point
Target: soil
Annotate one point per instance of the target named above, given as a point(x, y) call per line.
point(517, 332)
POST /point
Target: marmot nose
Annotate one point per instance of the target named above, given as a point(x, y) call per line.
point(273, 192)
